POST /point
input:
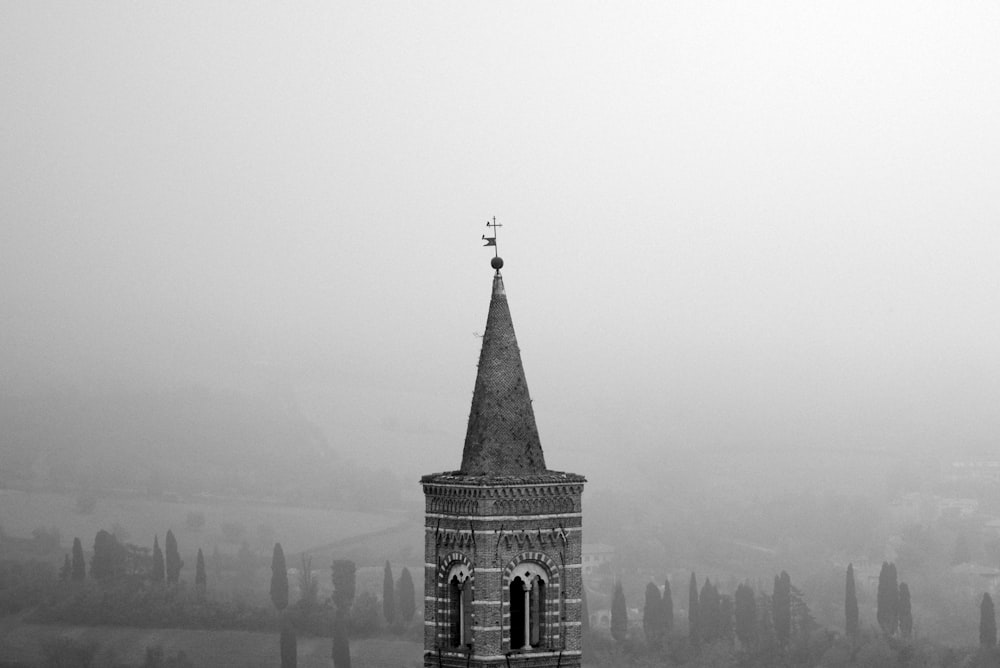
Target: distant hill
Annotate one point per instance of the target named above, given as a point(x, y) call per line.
point(169, 441)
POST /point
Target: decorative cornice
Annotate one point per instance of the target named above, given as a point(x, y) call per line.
point(458, 478)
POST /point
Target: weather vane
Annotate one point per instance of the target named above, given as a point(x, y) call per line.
point(497, 261)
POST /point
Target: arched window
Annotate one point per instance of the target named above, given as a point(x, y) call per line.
point(528, 590)
point(459, 585)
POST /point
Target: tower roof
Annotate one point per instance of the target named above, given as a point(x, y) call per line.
point(502, 438)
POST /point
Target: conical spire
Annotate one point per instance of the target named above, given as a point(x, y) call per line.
point(502, 439)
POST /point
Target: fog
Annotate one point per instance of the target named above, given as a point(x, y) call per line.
point(727, 228)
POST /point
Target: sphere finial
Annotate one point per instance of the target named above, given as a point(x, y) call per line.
point(497, 263)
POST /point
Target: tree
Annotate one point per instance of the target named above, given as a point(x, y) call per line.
point(159, 574)
point(987, 622)
point(765, 642)
point(905, 612)
point(850, 605)
point(341, 645)
point(173, 559)
point(343, 574)
point(709, 617)
point(693, 617)
point(289, 647)
point(652, 616)
point(66, 571)
point(746, 615)
point(308, 585)
point(802, 621)
point(619, 614)
point(108, 560)
point(366, 618)
point(200, 579)
point(667, 607)
point(726, 617)
point(887, 603)
point(79, 565)
point(406, 596)
point(781, 608)
point(279, 578)
point(138, 560)
point(388, 595)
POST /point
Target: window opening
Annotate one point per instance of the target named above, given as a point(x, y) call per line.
point(528, 592)
point(459, 606)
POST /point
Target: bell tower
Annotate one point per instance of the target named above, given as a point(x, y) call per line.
point(503, 534)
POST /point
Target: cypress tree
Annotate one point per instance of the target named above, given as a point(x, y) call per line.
point(200, 578)
point(905, 613)
point(406, 597)
point(289, 647)
point(881, 601)
point(102, 563)
point(388, 595)
point(279, 578)
point(887, 604)
point(709, 622)
point(851, 605)
point(173, 559)
point(79, 565)
point(619, 614)
point(159, 574)
point(652, 612)
point(894, 599)
point(746, 615)
point(343, 575)
point(781, 608)
point(667, 605)
point(987, 623)
point(341, 645)
point(694, 635)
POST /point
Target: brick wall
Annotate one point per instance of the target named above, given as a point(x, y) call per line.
point(494, 527)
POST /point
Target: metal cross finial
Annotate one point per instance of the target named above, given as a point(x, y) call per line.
point(492, 241)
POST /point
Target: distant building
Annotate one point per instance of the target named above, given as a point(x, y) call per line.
point(502, 574)
point(977, 578)
point(596, 555)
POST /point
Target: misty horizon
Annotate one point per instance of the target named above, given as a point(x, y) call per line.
point(724, 228)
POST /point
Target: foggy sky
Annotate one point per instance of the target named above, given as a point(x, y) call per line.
point(743, 225)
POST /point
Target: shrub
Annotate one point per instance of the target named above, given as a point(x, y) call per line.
point(366, 617)
point(156, 658)
point(69, 653)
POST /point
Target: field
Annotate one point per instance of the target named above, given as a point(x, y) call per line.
point(22, 643)
point(297, 529)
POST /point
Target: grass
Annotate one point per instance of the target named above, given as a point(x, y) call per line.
point(22, 643)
